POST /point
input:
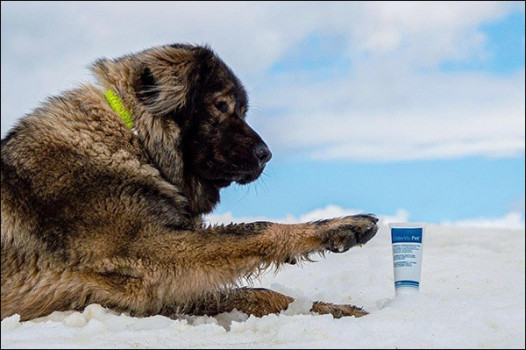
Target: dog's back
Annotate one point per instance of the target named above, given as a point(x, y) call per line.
point(48, 163)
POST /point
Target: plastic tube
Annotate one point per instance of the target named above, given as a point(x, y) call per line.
point(407, 243)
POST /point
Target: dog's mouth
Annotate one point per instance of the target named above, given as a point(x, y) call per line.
point(236, 173)
point(222, 174)
point(243, 178)
point(238, 162)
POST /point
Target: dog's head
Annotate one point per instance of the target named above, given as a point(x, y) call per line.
point(222, 147)
point(186, 99)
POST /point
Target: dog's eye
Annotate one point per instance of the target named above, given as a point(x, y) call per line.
point(222, 106)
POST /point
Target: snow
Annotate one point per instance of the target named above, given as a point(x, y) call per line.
point(472, 295)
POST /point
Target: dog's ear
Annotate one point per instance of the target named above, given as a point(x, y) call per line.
point(173, 78)
point(158, 78)
point(146, 87)
point(170, 78)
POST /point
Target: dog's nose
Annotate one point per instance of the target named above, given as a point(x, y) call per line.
point(263, 153)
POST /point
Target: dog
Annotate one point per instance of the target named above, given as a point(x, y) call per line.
point(104, 188)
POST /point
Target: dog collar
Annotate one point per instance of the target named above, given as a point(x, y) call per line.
point(116, 104)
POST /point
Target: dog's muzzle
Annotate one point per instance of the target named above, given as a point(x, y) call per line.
point(262, 155)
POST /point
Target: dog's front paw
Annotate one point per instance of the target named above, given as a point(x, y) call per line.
point(339, 235)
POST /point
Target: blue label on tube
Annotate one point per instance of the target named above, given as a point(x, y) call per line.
point(406, 235)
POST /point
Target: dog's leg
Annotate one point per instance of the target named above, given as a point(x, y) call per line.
point(237, 250)
point(273, 243)
point(181, 266)
point(260, 302)
point(252, 301)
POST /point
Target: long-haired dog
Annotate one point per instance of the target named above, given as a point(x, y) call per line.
point(104, 187)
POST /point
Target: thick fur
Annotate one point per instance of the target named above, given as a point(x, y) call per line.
point(94, 212)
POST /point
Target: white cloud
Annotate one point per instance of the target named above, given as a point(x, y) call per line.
point(510, 220)
point(436, 115)
point(330, 211)
point(427, 32)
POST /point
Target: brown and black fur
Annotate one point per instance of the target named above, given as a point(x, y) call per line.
point(94, 212)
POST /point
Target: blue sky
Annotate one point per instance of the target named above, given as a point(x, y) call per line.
point(413, 110)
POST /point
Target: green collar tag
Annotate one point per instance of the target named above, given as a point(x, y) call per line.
point(116, 104)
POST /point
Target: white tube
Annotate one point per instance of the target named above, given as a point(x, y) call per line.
point(407, 243)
